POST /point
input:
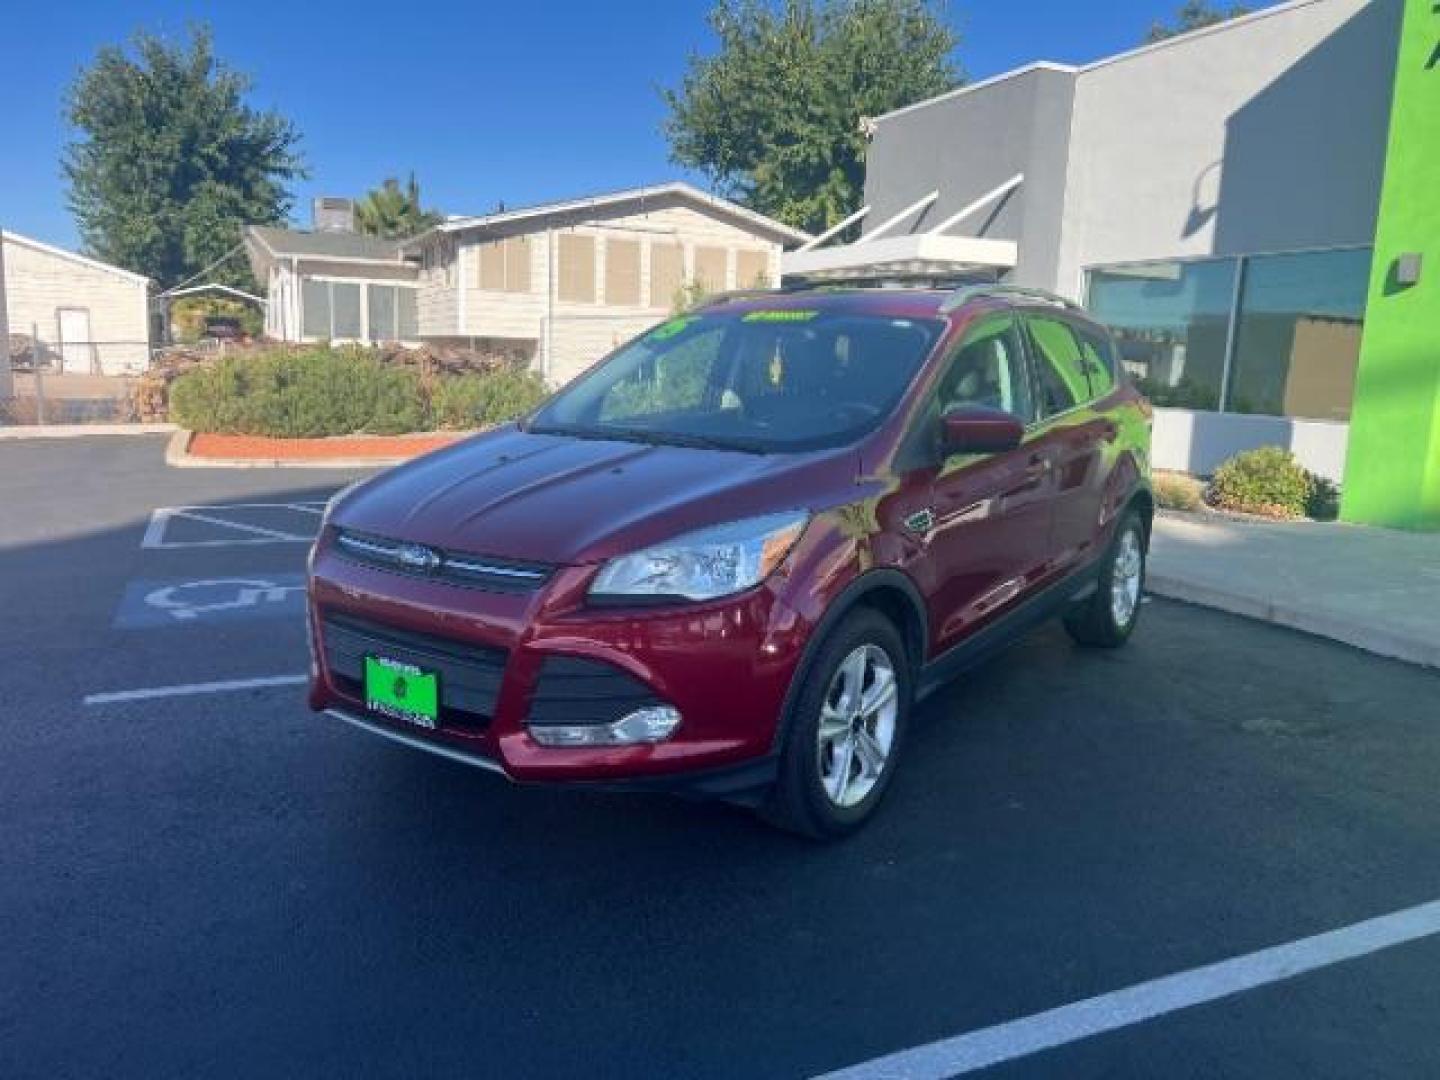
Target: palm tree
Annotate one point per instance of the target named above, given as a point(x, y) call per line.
point(393, 212)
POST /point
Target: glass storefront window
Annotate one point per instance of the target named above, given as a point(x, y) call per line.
point(1170, 321)
point(1298, 343)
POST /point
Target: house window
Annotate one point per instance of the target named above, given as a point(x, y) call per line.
point(622, 272)
point(1171, 321)
point(505, 265)
point(752, 270)
point(344, 310)
point(710, 269)
point(380, 312)
point(577, 268)
point(407, 324)
point(315, 305)
point(667, 273)
point(1298, 341)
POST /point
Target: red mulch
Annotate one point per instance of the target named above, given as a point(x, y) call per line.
point(262, 448)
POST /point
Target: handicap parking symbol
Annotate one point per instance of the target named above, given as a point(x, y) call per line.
point(151, 604)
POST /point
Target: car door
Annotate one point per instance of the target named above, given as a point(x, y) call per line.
point(1073, 435)
point(987, 525)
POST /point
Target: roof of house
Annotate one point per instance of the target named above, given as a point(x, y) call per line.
point(285, 243)
point(11, 237)
point(569, 207)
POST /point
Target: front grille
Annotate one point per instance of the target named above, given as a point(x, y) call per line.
point(572, 690)
point(470, 675)
point(453, 567)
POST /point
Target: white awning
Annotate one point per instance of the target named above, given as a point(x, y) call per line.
point(923, 255)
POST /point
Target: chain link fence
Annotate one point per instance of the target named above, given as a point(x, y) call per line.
point(70, 382)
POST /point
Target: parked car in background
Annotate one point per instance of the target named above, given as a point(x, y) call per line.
point(729, 560)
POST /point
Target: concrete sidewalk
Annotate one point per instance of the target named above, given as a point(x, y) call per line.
point(1375, 589)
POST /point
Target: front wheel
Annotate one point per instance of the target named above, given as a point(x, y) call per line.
point(1107, 618)
point(845, 731)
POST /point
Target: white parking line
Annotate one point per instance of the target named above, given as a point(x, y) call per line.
point(224, 686)
point(161, 517)
point(1135, 1004)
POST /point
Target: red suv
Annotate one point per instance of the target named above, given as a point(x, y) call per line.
point(729, 559)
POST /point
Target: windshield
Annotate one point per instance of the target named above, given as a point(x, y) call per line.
point(789, 379)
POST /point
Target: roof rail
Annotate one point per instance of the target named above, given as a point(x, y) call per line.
point(963, 296)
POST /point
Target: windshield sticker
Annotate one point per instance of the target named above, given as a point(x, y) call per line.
point(666, 330)
point(791, 316)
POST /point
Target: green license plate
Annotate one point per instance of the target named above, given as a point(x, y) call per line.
point(402, 691)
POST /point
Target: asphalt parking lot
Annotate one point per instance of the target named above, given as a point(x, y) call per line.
point(208, 880)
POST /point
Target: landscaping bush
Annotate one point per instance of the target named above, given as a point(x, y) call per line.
point(1176, 491)
point(295, 393)
point(467, 401)
point(1268, 481)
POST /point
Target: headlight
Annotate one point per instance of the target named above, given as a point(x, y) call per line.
point(703, 565)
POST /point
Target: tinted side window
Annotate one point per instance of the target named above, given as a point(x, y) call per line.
point(987, 370)
point(1059, 368)
point(1099, 356)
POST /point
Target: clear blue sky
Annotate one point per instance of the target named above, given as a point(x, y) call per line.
point(485, 101)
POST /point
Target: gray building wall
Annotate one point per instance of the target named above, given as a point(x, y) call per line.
point(1268, 135)
point(970, 143)
point(1264, 135)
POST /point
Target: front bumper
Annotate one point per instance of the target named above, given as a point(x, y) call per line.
point(726, 666)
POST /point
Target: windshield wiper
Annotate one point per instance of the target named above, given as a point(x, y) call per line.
point(649, 436)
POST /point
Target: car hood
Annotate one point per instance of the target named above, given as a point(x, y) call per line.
point(558, 499)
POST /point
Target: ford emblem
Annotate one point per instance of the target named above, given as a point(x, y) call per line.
point(419, 557)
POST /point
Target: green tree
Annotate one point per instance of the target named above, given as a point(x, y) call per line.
point(774, 118)
point(395, 212)
point(170, 163)
point(1194, 15)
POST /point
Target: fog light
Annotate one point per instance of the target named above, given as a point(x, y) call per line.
point(652, 724)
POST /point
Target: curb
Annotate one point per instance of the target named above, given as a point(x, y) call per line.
point(77, 431)
point(1371, 639)
point(178, 456)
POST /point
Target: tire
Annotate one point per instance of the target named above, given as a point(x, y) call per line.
point(809, 796)
point(1107, 618)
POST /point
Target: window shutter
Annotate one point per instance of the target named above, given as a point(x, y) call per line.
point(710, 268)
point(577, 268)
point(622, 272)
point(667, 273)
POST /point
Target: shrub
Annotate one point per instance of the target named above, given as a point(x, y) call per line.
point(1268, 481)
point(293, 394)
point(467, 401)
point(1176, 491)
point(1324, 501)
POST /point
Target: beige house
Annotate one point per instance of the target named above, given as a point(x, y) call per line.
point(557, 285)
point(93, 316)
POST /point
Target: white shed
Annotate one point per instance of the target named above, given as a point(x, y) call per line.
point(95, 317)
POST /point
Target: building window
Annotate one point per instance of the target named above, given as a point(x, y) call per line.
point(505, 265)
point(752, 270)
point(667, 273)
point(710, 269)
point(577, 268)
point(391, 313)
point(1171, 321)
point(622, 272)
point(344, 310)
point(315, 308)
point(1298, 342)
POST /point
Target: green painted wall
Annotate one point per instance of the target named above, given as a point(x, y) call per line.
point(1393, 472)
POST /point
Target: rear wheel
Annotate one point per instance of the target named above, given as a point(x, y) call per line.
point(1107, 618)
point(845, 730)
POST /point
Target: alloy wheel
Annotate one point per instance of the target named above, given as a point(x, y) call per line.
point(857, 725)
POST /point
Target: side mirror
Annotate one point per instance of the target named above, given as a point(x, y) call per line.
point(975, 429)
